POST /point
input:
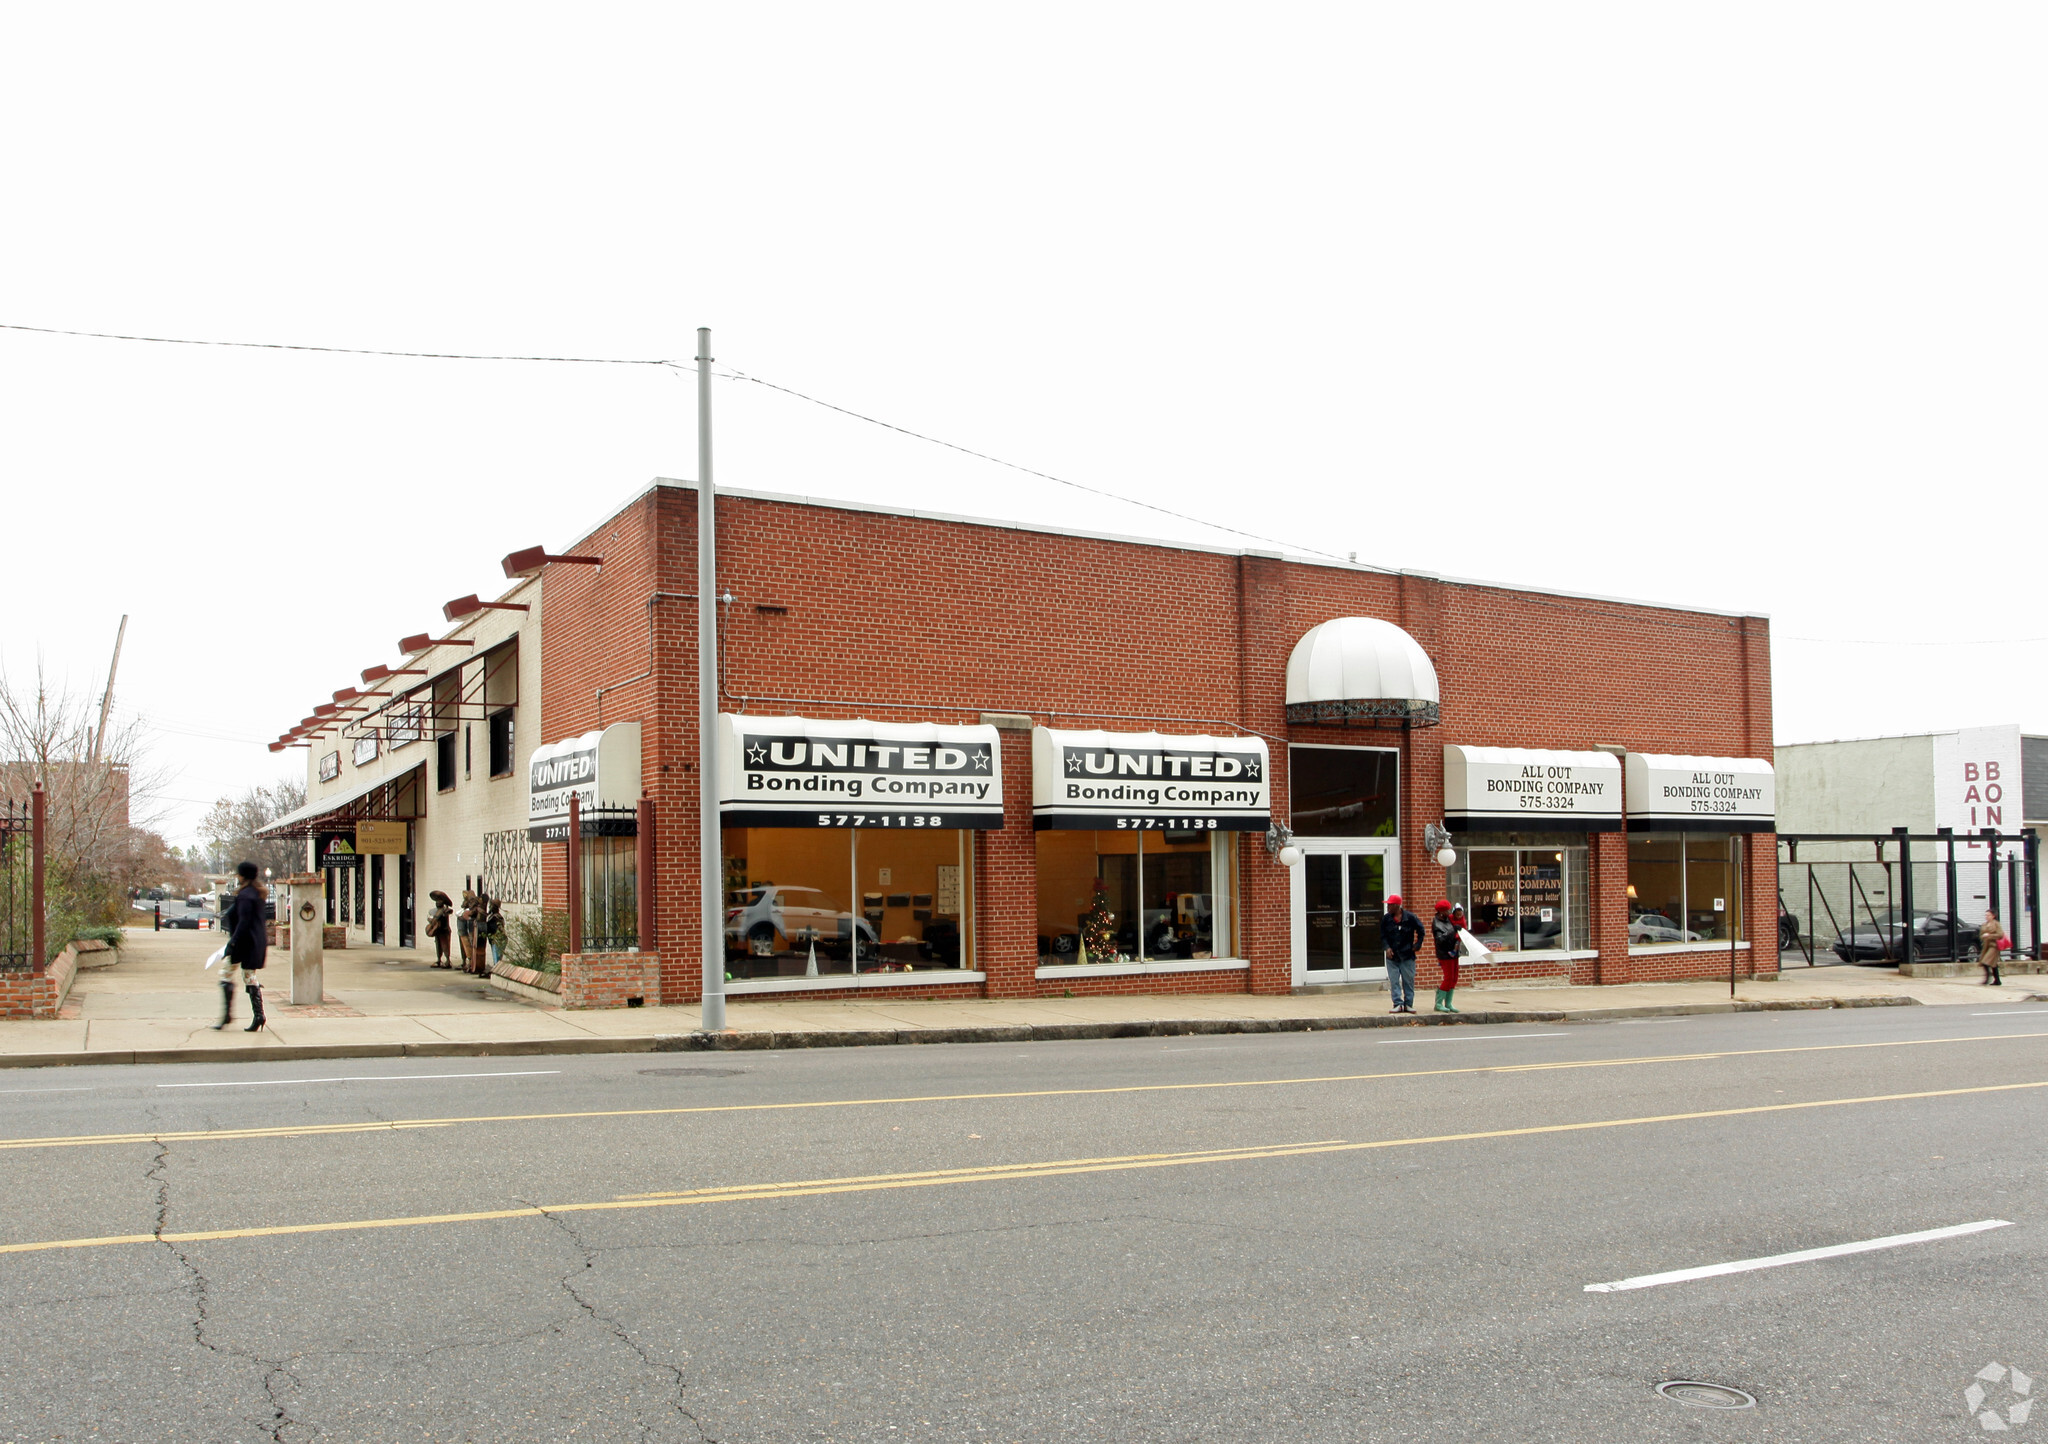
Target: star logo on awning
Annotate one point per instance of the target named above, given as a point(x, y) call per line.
point(981, 760)
point(1073, 762)
point(1251, 767)
point(757, 755)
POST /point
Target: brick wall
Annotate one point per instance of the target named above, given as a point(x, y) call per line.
point(38, 992)
point(843, 612)
point(610, 980)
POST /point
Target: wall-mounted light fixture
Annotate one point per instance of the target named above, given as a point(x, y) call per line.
point(1437, 840)
point(528, 561)
point(1280, 843)
point(469, 606)
point(421, 642)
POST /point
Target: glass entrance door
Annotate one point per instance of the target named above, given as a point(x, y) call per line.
point(1342, 896)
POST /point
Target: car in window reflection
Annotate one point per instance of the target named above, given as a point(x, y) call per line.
point(1656, 928)
point(1883, 940)
point(778, 918)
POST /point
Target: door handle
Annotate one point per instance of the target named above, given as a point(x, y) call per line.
point(1350, 919)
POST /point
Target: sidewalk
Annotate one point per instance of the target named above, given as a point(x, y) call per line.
point(156, 1006)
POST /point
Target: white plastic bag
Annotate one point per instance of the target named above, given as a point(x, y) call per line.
point(1474, 949)
point(217, 958)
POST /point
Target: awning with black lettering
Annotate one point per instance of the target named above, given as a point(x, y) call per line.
point(1149, 780)
point(1667, 793)
point(803, 772)
point(1492, 789)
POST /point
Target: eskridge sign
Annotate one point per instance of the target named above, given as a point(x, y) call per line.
point(1149, 781)
point(1509, 787)
point(805, 772)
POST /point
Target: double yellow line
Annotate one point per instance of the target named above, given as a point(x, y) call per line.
point(991, 1173)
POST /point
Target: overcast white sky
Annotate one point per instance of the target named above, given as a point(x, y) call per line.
point(1738, 306)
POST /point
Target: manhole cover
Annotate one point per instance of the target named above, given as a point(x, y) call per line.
point(1705, 1396)
point(691, 1072)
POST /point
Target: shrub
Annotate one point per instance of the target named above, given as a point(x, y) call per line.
point(537, 943)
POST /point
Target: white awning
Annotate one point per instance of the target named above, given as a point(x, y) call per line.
point(1360, 667)
point(1668, 792)
point(1528, 789)
point(601, 768)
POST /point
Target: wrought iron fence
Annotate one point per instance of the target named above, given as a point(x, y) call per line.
point(19, 903)
point(610, 848)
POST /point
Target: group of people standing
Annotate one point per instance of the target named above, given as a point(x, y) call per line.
point(478, 927)
point(1401, 937)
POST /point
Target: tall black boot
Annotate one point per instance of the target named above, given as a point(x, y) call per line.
point(255, 992)
point(227, 1006)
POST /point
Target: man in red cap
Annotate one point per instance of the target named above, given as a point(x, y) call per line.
point(1443, 931)
point(1400, 936)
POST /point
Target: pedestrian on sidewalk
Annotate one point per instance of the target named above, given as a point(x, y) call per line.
point(1990, 938)
point(494, 932)
point(1401, 936)
point(465, 930)
point(1443, 932)
point(248, 942)
point(437, 926)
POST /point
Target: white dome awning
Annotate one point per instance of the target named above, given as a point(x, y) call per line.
point(1360, 667)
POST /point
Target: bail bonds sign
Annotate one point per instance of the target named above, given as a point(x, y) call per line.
point(803, 772)
point(1526, 788)
point(1149, 781)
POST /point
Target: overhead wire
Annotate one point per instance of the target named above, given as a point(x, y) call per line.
point(691, 366)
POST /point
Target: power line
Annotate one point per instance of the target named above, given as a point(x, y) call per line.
point(1046, 475)
point(336, 350)
point(689, 366)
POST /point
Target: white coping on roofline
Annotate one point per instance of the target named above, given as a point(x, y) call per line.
point(793, 499)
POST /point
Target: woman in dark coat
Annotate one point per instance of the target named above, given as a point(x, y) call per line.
point(248, 942)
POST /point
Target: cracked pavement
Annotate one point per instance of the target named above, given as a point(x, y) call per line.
point(1425, 1292)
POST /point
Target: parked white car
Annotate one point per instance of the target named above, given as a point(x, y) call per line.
point(1656, 928)
point(774, 918)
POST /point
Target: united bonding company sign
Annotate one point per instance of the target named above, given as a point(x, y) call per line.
point(803, 772)
point(1149, 781)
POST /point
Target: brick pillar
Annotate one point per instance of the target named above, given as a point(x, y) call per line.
point(1760, 904)
point(1006, 884)
point(1607, 890)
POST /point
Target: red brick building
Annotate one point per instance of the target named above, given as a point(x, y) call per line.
point(870, 651)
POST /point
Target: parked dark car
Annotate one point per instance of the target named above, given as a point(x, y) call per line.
point(192, 921)
point(1885, 942)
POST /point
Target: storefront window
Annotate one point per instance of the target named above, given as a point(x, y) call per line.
point(1343, 791)
point(1674, 880)
point(1133, 896)
point(1523, 898)
point(815, 902)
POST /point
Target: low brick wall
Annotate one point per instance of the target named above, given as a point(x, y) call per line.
point(38, 992)
point(610, 980)
point(527, 983)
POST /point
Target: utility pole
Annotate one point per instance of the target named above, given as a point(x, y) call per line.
point(107, 698)
point(710, 839)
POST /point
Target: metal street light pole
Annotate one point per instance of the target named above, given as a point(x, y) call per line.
point(710, 845)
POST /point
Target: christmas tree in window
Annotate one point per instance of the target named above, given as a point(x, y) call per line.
point(1098, 929)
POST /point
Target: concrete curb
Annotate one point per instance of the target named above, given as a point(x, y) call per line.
point(735, 1041)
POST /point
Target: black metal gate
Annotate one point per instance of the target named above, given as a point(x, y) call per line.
point(20, 888)
point(1873, 904)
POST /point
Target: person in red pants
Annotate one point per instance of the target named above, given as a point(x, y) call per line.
point(1443, 931)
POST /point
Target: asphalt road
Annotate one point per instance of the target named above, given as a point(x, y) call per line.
point(1339, 1236)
